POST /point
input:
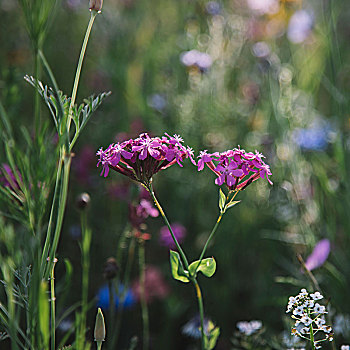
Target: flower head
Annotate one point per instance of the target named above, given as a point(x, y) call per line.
point(141, 158)
point(236, 168)
point(319, 255)
point(165, 238)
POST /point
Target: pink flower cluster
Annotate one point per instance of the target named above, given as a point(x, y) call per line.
point(144, 156)
point(236, 168)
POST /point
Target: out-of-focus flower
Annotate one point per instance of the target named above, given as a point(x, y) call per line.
point(157, 102)
point(110, 269)
point(300, 26)
point(345, 347)
point(155, 285)
point(261, 49)
point(193, 327)
point(319, 255)
point(213, 8)
point(341, 325)
point(141, 158)
point(96, 5)
point(249, 327)
point(195, 58)
point(125, 296)
point(139, 213)
point(83, 200)
point(165, 238)
point(8, 178)
point(236, 168)
point(316, 137)
point(83, 162)
point(262, 7)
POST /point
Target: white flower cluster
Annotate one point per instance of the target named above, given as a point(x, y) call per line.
point(345, 347)
point(309, 317)
point(248, 328)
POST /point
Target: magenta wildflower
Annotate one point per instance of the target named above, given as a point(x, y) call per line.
point(319, 255)
point(144, 156)
point(165, 238)
point(236, 168)
point(140, 212)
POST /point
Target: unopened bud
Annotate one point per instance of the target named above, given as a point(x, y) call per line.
point(96, 5)
point(83, 200)
point(111, 268)
point(100, 329)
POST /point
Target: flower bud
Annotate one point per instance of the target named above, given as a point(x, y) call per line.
point(96, 5)
point(100, 329)
point(83, 200)
point(111, 269)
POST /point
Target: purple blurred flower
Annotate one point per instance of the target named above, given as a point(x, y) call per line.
point(165, 238)
point(299, 27)
point(83, 163)
point(139, 213)
point(319, 255)
point(8, 178)
point(155, 285)
point(195, 58)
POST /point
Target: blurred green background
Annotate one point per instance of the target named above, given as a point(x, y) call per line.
point(275, 78)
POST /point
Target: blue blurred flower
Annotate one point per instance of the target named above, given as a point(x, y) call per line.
point(316, 137)
point(157, 102)
point(192, 327)
point(195, 58)
point(300, 26)
point(213, 8)
point(103, 297)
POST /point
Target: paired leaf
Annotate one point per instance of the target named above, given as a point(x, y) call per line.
point(206, 266)
point(231, 204)
point(177, 268)
point(222, 200)
point(211, 340)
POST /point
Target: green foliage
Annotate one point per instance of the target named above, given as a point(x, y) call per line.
point(177, 269)
point(206, 266)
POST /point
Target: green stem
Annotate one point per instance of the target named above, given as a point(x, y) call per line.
point(79, 66)
point(61, 209)
point(128, 266)
point(183, 256)
point(145, 320)
point(312, 340)
point(53, 304)
point(201, 310)
point(49, 227)
point(37, 95)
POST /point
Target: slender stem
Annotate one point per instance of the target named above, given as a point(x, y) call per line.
point(49, 227)
point(61, 210)
point(128, 266)
point(37, 96)
point(201, 310)
point(312, 340)
point(145, 320)
point(183, 256)
point(80, 65)
point(53, 309)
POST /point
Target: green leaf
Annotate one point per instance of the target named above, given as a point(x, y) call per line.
point(231, 204)
point(222, 200)
point(207, 267)
point(210, 341)
point(177, 268)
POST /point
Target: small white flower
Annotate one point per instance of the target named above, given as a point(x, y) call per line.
point(306, 320)
point(303, 293)
point(316, 296)
point(320, 321)
point(319, 309)
point(326, 329)
point(345, 347)
point(299, 311)
point(304, 330)
point(309, 303)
